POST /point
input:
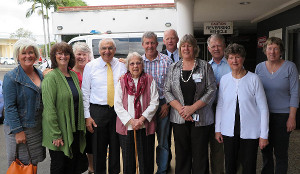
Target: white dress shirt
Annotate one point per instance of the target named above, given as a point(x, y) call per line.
point(254, 112)
point(94, 82)
point(124, 115)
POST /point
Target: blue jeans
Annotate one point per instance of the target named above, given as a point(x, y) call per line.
point(162, 132)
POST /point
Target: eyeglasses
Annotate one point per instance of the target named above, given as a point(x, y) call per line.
point(60, 54)
point(136, 63)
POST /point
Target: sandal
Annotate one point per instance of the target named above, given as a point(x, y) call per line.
point(90, 172)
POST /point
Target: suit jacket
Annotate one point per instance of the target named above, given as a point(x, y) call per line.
point(205, 91)
point(164, 52)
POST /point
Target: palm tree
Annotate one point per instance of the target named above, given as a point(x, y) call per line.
point(48, 4)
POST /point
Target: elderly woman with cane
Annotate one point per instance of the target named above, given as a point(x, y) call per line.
point(136, 101)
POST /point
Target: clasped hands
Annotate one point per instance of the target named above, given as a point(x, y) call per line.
point(186, 112)
point(137, 123)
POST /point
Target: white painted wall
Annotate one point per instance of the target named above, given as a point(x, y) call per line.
point(126, 20)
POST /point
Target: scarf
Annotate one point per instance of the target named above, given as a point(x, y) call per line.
point(130, 87)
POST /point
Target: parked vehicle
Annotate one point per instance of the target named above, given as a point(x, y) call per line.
point(7, 61)
point(125, 43)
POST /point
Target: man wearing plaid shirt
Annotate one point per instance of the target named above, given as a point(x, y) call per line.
point(156, 64)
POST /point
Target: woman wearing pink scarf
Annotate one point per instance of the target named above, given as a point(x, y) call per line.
point(136, 101)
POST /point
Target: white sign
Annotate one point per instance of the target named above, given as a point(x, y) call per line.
point(218, 27)
point(276, 33)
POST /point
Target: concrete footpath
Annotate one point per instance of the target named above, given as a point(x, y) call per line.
point(44, 167)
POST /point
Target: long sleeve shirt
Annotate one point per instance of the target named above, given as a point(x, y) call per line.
point(125, 115)
point(254, 113)
point(94, 82)
point(281, 87)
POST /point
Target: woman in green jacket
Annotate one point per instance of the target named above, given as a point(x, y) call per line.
point(63, 119)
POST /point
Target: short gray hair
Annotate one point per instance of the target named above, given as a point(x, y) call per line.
point(216, 36)
point(83, 47)
point(130, 56)
point(169, 31)
point(149, 34)
point(22, 44)
point(107, 40)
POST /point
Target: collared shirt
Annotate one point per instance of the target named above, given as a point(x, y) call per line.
point(220, 69)
point(175, 54)
point(94, 82)
point(158, 69)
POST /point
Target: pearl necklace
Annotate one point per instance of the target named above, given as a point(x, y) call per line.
point(190, 74)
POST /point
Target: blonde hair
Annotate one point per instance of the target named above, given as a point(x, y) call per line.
point(22, 44)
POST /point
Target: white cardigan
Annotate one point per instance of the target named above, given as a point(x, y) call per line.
point(254, 113)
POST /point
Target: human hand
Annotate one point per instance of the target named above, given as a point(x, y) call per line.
point(138, 123)
point(184, 116)
point(20, 137)
point(122, 60)
point(46, 71)
point(291, 124)
point(188, 110)
point(219, 137)
point(58, 142)
point(164, 111)
point(89, 122)
point(263, 143)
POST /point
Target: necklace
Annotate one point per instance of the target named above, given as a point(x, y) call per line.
point(189, 75)
point(31, 76)
point(273, 68)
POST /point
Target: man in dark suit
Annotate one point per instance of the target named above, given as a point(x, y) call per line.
point(170, 40)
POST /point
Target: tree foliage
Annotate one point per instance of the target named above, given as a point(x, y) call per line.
point(22, 33)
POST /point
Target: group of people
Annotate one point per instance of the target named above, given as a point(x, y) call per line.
point(94, 107)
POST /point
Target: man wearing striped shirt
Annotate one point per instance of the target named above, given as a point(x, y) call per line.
point(156, 64)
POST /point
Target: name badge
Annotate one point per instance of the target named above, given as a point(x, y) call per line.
point(195, 117)
point(197, 77)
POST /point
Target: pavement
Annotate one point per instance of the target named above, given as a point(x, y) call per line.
point(44, 167)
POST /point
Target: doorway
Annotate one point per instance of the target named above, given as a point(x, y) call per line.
point(293, 53)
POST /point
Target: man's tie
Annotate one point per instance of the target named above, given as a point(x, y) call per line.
point(110, 86)
point(172, 57)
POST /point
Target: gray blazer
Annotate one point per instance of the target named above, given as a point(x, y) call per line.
point(205, 91)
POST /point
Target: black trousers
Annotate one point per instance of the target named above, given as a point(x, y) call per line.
point(105, 135)
point(61, 164)
point(244, 149)
point(191, 148)
point(145, 149)
point(278, 143)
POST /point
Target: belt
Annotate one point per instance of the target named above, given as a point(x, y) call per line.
point(103, 106)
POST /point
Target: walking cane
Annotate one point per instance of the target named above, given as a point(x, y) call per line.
point(136, 160)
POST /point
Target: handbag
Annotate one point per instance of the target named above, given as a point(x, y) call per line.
point(17, 167)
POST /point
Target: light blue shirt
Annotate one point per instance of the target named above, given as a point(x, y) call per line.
point(220, 69)
point(175, 55)
point(281, 87)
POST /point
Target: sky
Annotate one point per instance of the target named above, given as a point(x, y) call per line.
point(12, 15)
